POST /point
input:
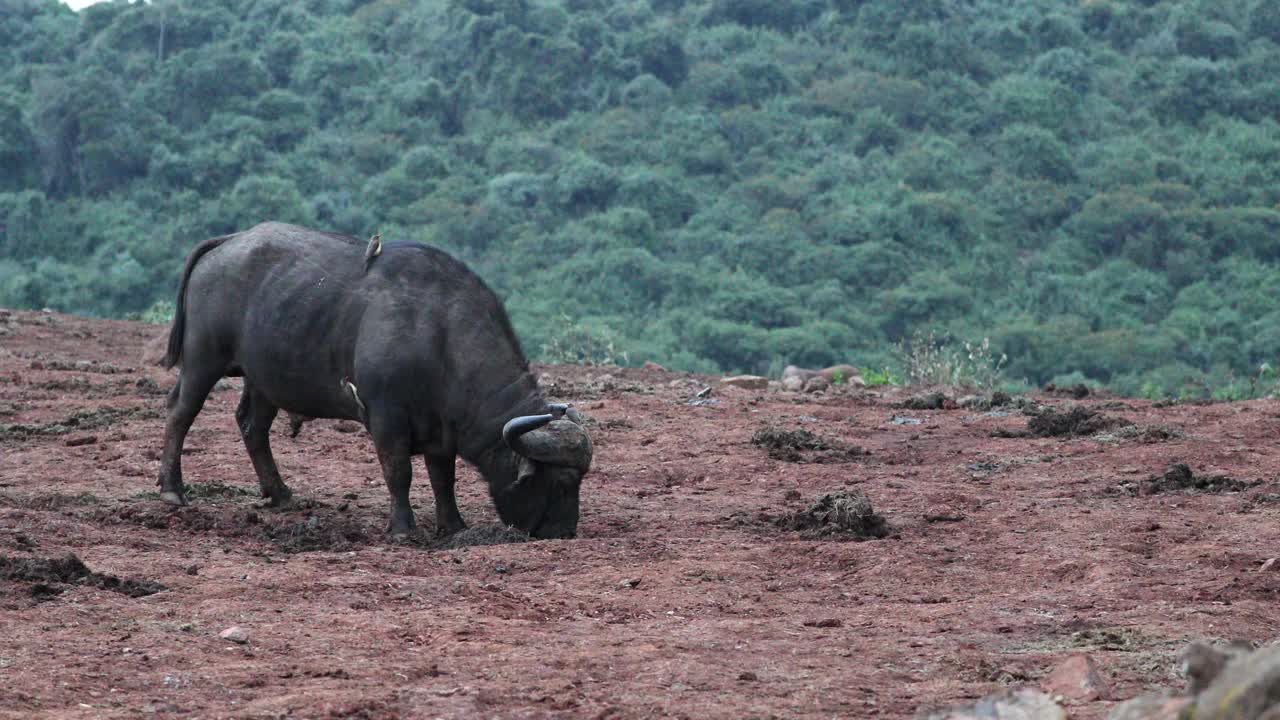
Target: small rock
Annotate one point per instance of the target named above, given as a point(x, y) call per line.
point(1076, 678)
point(1151, 707)
point(824, 623)
point(1022, 704)
point(606, 382)
point(630, 583)
point(501, 569)
point(747, 382)
point(86, 440)
point(193, 569)
point(651, 365)
point(1270, 563)
point(793, 383)
point(237, 635)
point(816, 384)
point(748, 677)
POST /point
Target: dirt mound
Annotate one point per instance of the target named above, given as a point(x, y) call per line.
point(839, 514)
point(1179, 479)
point(50, 575)
point(156, 516)
point(481, 535)
point(1076, 422)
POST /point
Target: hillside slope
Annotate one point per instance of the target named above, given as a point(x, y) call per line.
point(680, 597)
point(710, 184)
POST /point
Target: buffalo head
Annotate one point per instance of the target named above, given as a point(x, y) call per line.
point(553, 453)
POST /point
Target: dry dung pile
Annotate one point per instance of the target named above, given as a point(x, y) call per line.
point(481, 535)
point(778, 439)
point(792, 445)
point(1179, 479)
point(839, 514)
point(316, 533)
point(1146, 434)
point(83, 420)
point(928, 401)
point(1076, 422)
point(1078, 391)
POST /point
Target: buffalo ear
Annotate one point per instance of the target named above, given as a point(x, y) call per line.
point(527, 470)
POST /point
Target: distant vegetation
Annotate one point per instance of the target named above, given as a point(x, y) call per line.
point(714, 184)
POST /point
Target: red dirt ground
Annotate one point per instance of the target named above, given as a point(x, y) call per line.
point(1007, 556)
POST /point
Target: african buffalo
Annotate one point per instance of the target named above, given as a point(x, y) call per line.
point(415, 346)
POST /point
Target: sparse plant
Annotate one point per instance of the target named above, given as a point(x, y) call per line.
point(576, 343)
point(875, 378)
point(160, 313)
point(931, 360)
point(1264, 382)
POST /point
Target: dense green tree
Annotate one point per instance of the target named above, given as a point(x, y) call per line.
point(712, 184)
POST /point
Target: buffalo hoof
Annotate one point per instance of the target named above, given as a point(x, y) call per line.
point(280, 498)
point(401, 529)
point(445, 531)
point(283, 503)
point(173, 498)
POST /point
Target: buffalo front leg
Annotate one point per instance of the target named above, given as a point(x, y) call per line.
point(392, 443)
point(254, 416)
point(185, 401)
point(443, 471)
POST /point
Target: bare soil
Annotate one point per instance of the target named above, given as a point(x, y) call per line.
point(683, 596)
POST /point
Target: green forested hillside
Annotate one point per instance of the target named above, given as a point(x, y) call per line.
point(711, 184)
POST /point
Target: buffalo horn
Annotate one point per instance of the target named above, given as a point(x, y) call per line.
point(550, 438)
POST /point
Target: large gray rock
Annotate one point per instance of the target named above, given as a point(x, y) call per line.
point(834, 375)
point(1248, 688)
point(1202, 663)
point(747, 382)
point(1151, 707)
point(1023, 704)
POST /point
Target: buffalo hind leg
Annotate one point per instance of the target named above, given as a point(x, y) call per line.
point(443, 471)
point(392, 442)
point(254, 416)
point(185, 401)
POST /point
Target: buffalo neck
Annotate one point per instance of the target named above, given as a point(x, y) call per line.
point(480, 434)
point(498, 465)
